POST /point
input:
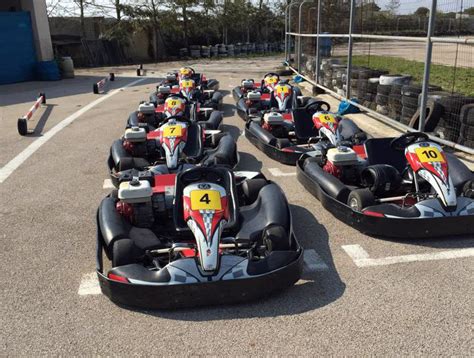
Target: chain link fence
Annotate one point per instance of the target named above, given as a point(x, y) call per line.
point(408, 63)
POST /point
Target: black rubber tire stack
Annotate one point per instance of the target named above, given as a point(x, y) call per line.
point(395, 102)
point(449, 127)
point(371, 93)
point(409, 95)
point(383, 92)
point(467, 126)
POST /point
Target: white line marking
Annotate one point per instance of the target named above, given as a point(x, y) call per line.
point(108, 184)
point(13, 164)
point(276, 172)
point(313, 262)
point(89, 285)
point(361, 257)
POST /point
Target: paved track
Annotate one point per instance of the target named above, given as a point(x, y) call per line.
point(48, 231)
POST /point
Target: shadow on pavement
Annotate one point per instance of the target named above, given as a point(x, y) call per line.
point(38, 130)
point(228, 109)
point(314, 290)
point(248, 162)
point(232, 130)
point(82, 84)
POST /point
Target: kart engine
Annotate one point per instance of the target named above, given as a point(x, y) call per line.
point(274, 123)
point(344, 164)
point(138, 204)
point(135, 141)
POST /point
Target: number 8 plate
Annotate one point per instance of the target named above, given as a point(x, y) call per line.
point(429, 154)
point(205, 200)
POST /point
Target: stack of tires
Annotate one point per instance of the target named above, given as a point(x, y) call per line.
point(195, 51)
point(409, 94)
point(183, 52)
point(215, 51)
point(243, 49)
point(395, 102)
point(454, 117)
point(339, 73)
point(371, 93)
point(237, 49)
point(230, 50)
point(206, 51)
point(222, 50)
point(467, 126)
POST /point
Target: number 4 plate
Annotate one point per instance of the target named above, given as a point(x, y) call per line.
point(206, 200)
point(429, 154)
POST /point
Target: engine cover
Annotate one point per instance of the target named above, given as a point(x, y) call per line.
point(273, 118)
point(342, 156)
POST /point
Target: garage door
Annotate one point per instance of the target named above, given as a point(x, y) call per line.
point(17, 51)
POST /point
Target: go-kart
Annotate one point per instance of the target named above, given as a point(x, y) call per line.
point(187, 88)
point(173, 78)
point(283, 97)
point(176, 142)
point(266, 85)
point(405, 187)
point(285, 135)
point(152, 117)
point(205, 236)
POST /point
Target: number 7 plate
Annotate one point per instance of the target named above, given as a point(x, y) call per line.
point(172, 131)
point(206, 200)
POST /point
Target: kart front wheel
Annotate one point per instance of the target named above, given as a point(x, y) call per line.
point(360, 198)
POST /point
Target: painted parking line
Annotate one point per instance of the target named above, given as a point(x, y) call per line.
point(362, 259)
point(108, 184)
point(276, 172)
point(313, 262)
point(13, 164)
point(89, 285)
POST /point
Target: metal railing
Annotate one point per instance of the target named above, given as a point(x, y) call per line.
point(295, 35)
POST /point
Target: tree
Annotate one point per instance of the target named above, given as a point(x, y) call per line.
point(422, 11)
point(392, 6)
point(469, 11)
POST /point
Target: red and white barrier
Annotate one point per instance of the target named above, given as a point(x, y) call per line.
point(22, 123)
point(100, 86)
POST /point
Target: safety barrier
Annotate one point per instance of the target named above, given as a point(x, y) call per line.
point(100, 86)
point(22, 123)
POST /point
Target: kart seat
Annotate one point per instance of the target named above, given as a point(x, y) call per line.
point(225, 153)
point(193, 147)
point(270, 208)
point(379, 152)
point(304, 127)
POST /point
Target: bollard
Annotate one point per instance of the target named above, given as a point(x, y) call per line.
point(22, 123)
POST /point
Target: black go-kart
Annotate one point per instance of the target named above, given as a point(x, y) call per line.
point(205, 236)
point(151, 117)
point(266, 85)
point(405, 187)
point(175, 143)
point(283, 97)
point(286, 135)
point(190, 89)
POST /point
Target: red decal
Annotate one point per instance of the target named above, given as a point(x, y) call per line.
point(360, 151)
point(163, 181)
point(160, 108)
point(153, 135)
point(265, 96)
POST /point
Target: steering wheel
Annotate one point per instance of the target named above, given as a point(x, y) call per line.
point(177, 118)
point(407, 139)
point(317, 106)
point(272, 74)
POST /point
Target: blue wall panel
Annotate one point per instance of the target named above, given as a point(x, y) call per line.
point(17, 49)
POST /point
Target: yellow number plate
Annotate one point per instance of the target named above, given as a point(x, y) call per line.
point(271, 80)
point(172, 131)
point(186, 84)
point(283, 89)
point(173, 103)
point(429, 154)
point(205, 199)
point(325, 118)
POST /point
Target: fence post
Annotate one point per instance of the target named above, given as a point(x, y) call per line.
point(349, 50)
point(426, 74)
point(299, 32)
point(318, 44)
point(286, 31)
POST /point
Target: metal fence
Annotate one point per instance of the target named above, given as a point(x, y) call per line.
point(407, 63)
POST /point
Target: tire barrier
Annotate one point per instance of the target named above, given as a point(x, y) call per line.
point(140, 70)
point(22, 123)
point(102, 84)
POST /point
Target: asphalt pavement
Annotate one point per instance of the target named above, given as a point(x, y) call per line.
point(415, 300)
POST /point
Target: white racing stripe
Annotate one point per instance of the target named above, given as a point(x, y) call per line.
point(13, 164)
point(362, 259)
point(276, 172)
point(89, 285)
point(313, 262)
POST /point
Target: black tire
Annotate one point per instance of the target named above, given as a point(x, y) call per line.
point(468, 189)
point(410, 102)
point(251, 188)
point(22, 125)
point(384, 89)
point(360, 198)
point(411, 91)
point(381, 99)
point(95, 88)
point(467, 114)
point(467, 132)
point(453, 104)
point(434, 111)
point(112, 76)
point(276, 238)
point(122, 252)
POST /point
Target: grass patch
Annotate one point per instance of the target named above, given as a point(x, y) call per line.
point(441, 75)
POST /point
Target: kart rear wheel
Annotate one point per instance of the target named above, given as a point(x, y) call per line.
point(22, 126)
point(468, 189)
point(360, 198)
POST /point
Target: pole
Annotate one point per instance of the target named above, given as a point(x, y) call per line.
point(349, 50)
point(318, 44)
point(426, 74)
point(300, 18)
